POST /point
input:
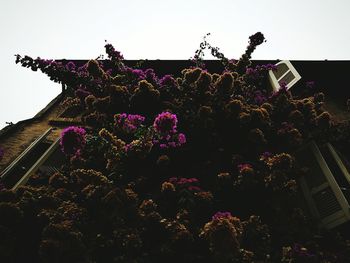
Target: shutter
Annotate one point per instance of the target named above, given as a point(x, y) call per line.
point(321, 189)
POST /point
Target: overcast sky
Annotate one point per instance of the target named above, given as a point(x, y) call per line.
point(140, 29)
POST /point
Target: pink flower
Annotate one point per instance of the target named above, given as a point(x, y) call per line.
point(72, 140)
point(219, 215)
point(128, 123)
point(244, 166)
point(165, 123)
point(181, 138)
point(194, 188)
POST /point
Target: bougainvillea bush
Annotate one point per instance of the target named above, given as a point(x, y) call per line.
point(191, 168)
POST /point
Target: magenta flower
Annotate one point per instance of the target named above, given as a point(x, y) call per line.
point(150, 75)
point(181, 138)
point(167, 80)
point(244, 166)
point(194, 188)
point(163, 146)
point(219, 215)
point(128, 123)
point(183, 181)
point(72, 140)
point(165, 126)
point(165, 123)
point(70, 66)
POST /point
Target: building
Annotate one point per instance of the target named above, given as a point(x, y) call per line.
point(32, 145)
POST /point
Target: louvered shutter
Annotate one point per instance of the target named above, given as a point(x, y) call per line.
point(321, 190)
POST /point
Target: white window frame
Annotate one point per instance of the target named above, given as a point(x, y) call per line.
point(275, 83)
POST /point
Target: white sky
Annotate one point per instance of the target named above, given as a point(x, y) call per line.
point(156, 29)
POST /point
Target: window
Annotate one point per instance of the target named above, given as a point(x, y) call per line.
point(285, 73)
point(325, 184)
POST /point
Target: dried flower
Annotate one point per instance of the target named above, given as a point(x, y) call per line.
point(167, 187)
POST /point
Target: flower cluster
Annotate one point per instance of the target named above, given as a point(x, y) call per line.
point(190, 184)
point(168, 80)
point(72, 140)
point(245, 168)
point(165, 123)
point(166, 135)
point(219, 215)
point(128, 123)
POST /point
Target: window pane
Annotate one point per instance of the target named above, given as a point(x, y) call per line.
point(281, 69)
point(287, 78)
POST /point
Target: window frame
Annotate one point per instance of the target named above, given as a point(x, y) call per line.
point(275, 82)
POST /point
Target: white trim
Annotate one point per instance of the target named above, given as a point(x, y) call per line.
point(343, 214)
point(332, 182)
point(275, 82)
point(310, 201)
point(339, 162)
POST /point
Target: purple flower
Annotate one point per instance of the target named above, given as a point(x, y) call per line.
point(150, 75)
point(219, 215)
point(192, 180)
point(183, 181)
point(172, 144)
point(167, 80)
point(72, 140)
point(252, 72)
point(165, 123)
point(194, 188)
point(283, 85)
point(259, 97)
point(181, 138)
point(163, 146)
point(128, 123)
point(173, 180)
point(272, 67)
point(70, 66)
point(244, 166)
point(138, 73)
point(301, 251)
point(265, 156)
